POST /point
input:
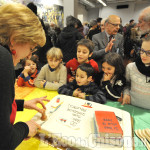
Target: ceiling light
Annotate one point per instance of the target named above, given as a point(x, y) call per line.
point(102, 2)
point(87, 3)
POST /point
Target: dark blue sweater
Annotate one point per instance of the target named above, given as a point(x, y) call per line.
point(93, 93)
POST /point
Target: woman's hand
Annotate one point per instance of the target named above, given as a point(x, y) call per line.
point(32, 104)
point(126, 99)
point(33, 128)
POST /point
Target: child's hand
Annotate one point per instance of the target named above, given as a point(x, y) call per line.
point(76, 92)
point(107, 77)
point(26, 69)
point(81, 95)
point(42, 83)
point(126, 99)
point(121, 98)
point(71, 79)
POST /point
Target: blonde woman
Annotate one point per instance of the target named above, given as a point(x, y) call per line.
point(20, 33)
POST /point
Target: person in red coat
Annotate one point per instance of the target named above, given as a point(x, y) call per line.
point(84, 52)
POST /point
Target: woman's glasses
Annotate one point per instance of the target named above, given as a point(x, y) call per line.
point(142, 51)
point(34, 49)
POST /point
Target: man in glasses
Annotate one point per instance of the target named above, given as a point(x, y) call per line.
point(109, 40)
point(144, 22)
point(137, 91)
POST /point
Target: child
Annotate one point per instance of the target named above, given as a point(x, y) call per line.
point(30, 72)
point(54, 74)
point(82, 87)
point(84, 51)
point(137, 91)
point(111, 79)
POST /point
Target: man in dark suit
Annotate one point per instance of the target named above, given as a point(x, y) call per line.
point(109, 40)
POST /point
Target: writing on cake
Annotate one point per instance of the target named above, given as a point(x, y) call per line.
point(74, 116)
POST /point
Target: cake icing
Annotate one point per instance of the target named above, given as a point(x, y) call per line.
point(70, 120)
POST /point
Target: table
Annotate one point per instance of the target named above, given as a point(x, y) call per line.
point(141, 117)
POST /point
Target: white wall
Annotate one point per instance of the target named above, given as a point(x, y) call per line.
point(78, 10)
point(126, 14)
point(45, 2)
point(75, 8)
point(93, 13)
point(82, 13)
point(51, 2)
point(139, 7)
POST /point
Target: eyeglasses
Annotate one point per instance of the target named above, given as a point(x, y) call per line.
point(34, 49)
point(141, 21)
point(115, 25)
point(142, 51)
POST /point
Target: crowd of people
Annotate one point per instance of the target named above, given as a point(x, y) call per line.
point(85, 61)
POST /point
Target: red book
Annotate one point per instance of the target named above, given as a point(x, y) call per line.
point(107, 124)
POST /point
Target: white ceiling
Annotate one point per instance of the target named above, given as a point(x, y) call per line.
point(122, 1)
point(108, 2)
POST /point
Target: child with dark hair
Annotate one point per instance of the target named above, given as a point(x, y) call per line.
point(112, 79)
point(84, 52)
point(30, 72)
point(82, 87)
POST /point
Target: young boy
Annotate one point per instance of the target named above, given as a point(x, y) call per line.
point(82, 86)
point(54, 74)
point(84, 52)
point(29, 73)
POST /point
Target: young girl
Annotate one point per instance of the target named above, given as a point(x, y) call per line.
point(137, 91)
point(30, 72)
point(54, 74)
point(112, 80)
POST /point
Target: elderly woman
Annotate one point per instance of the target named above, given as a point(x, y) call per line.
point(20, 33)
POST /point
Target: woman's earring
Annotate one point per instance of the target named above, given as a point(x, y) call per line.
point(13, 52)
